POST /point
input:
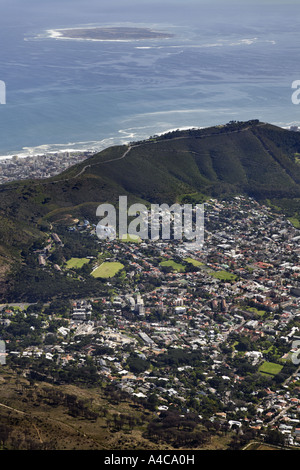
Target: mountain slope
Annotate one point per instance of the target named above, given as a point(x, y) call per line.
point(249, 157)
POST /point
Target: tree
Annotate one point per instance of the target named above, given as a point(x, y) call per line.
point(275, 437)
point(152, 402)
point(137, 364)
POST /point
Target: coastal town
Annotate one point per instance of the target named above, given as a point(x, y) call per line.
point(214, 332)
point(39, 166)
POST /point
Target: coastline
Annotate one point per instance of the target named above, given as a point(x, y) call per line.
point(51, 149)
point(81, 147)
point(96, 146)
point(49, 163)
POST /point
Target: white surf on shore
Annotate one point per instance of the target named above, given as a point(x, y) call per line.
point(124, 137)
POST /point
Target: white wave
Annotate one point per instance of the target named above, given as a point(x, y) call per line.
point(138, 133)
point(71, 147)
point(127, 135)
point(185, 128)
point(182, 111)
point(54, 33)
point(247, 42)
point(287, 125)
point(218, 43)
point(134, 132)
point(194, 46)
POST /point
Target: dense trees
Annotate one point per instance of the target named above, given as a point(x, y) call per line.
point(179, 357)
point(177, 430)
point(275, 437)
point(137, 364)
point(32, 284)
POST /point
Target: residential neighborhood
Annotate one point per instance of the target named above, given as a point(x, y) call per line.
point(214, 332)
point(14, 167)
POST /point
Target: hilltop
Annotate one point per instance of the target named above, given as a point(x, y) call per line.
point(251, 158)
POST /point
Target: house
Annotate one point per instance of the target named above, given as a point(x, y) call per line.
point(234, 423)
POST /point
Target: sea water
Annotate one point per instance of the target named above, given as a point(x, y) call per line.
point(222, 63)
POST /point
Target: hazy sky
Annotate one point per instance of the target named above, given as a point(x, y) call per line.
point(14, 9)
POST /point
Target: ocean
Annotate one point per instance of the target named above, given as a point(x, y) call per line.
point(223, 62)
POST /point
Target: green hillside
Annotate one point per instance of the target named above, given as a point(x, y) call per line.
point(250, 158)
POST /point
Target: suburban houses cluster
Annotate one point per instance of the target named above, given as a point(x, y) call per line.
point(214, 330)
point(39, 166)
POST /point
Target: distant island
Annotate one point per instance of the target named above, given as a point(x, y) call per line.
point(109, 34)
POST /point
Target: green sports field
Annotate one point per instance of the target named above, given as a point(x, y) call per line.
point(76, 262)
point(193, 261)
point(175, 266)
point(223, 275)
point(107, 270)
point(270, 368)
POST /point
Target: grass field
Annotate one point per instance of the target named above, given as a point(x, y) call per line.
point(76, 262)
point(295, 221)
point(107, 269)
point(270, 368)
point(255, 310)
point(223, 275)
point(194, 262)
point(131, 238)
point(175, 266)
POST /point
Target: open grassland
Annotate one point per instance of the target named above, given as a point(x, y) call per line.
point(261, 313)
point(270, 368)
point(107, 270)
point(38, 415)
point(42, 416)
point(76, 262)
point(223, 275)
point(194, 262)
point(172, 264)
